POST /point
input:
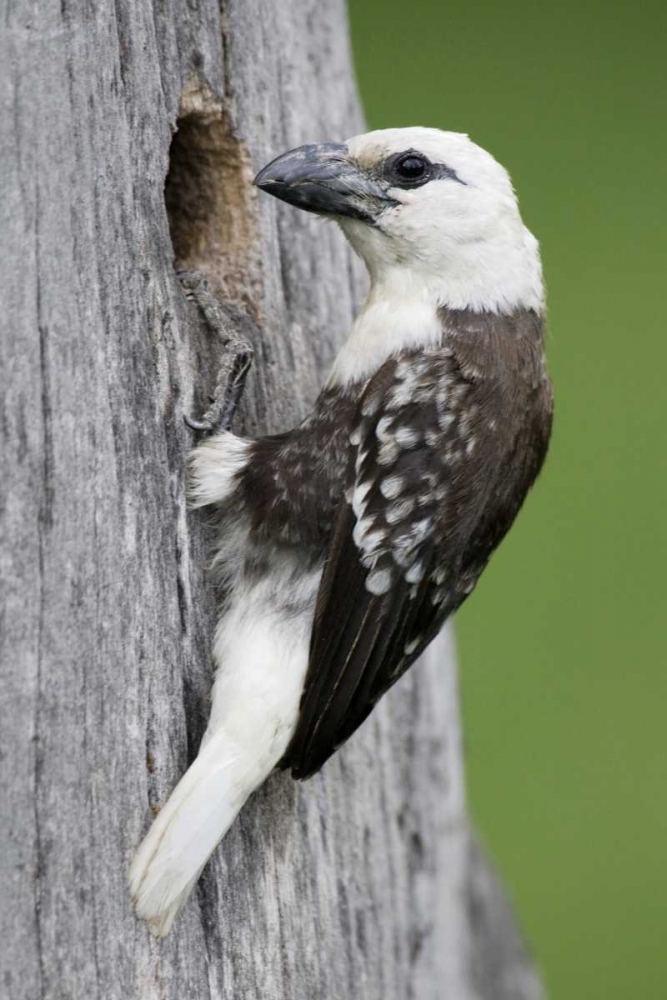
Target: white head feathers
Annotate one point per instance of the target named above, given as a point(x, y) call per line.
point(457, 238)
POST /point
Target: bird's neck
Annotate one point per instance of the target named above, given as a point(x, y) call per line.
point(402, 310)
point(395, 317)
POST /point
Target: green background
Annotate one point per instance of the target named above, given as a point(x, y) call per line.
point(562, 646)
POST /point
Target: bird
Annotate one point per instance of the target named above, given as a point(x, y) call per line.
point(346, 543)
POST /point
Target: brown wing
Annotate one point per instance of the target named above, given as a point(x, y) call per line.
point(386, 587)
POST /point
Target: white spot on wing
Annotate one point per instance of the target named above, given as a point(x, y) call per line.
point(359, 497)
point(399, 511)
point(359, 461)
point(421, 530)
point(367, 539)
point(382, 430)
point(416, 572)
point(407, 437)
point(388, 453)
point(391, 487)
point(378, 582)
point(401, 394)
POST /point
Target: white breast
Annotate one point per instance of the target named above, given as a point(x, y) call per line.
point(387, 324)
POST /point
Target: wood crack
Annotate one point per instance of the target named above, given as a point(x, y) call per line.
point(45, 517)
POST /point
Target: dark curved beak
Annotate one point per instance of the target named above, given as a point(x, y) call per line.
point(322, 178)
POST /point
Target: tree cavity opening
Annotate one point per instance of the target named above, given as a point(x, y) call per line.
point(210, 198)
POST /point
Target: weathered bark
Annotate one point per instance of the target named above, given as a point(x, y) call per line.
point(361, 883)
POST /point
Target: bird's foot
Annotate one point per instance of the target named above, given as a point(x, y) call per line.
point(232, 374)
point(236, 359)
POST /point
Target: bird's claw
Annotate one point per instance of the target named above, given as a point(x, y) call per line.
point(234, 369)
point(236, 360)
point(203, 426)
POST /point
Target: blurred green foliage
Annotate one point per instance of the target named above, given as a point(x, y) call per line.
point(562, 646)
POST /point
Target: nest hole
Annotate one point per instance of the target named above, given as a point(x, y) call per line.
point(210, 201)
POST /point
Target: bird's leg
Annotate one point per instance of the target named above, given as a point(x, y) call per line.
point(236, 359)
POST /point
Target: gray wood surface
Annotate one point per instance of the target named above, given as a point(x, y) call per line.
point(364, 882)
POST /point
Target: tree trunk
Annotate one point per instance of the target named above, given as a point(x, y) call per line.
point(130, 133)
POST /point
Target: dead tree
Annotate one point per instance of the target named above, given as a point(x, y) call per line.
point(130, 133)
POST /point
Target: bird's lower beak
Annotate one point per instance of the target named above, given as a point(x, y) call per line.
point(322, 178)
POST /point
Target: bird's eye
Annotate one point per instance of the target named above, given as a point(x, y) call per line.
point(411, 168)
point(408, 169)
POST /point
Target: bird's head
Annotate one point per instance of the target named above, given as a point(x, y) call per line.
point(422, 207)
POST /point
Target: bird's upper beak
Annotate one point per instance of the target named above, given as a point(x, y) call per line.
point(322, 178)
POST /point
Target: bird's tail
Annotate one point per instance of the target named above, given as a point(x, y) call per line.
point(197, 815)
point(261, 651)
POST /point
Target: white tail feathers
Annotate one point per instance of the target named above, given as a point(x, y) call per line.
point(261, 651)
point(187, 830)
